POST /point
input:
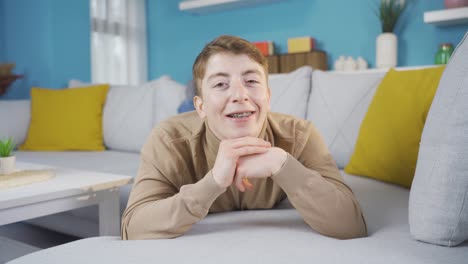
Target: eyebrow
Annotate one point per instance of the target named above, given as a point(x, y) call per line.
point(218, 74)
point(252, 71)
point(224, 74)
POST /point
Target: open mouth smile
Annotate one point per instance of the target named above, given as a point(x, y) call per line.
point(241, 114)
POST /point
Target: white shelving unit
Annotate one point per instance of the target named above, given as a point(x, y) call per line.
point(444, 17)
point(209, 6)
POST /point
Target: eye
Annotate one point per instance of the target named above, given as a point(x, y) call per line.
point(252, 82)
point(220, 85)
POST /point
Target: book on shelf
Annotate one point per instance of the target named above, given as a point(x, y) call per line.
point(300, 44)
point(266, 47)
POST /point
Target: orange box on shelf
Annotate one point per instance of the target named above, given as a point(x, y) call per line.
point(265, 47)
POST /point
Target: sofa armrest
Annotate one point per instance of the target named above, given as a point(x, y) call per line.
point(14, 119)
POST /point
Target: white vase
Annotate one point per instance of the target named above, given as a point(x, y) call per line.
point(7, 165)
point(386, 50)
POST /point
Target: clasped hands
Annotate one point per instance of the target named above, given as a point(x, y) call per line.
point(246, 158)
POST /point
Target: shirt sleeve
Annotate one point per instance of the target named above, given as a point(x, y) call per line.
point(156, 208)
point(316, 189)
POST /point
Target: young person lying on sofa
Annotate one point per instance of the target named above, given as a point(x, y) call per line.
point(233, 154)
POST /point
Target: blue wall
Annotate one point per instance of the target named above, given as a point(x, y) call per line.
point(50, 43)
point(341, 27)
point(28, 43)
point(2, 33)
point(71, 41)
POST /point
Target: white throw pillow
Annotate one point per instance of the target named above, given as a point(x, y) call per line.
point(127, 117)
point(290, 91)
point(130, 112)
point(15, 116)
point(438, 204)
point(337, 105)
point(168, 95)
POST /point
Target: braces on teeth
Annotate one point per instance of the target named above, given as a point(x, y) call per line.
point(241, 114)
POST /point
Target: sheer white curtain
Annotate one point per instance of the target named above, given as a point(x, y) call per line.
point(118, 42)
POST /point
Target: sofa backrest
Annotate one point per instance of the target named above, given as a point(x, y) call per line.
point(290, 91)
point(14, 119)
point(336, 102)
point(131, 112)
point(337, 105)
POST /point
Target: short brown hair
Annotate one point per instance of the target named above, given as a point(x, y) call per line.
point(229, 44)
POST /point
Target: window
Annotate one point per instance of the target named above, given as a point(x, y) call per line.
point(118, 42)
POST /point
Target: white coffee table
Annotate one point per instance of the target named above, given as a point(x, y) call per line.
point(69, 189)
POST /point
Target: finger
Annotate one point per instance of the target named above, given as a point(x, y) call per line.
point(238, 182)
point(249, 141)
point(244, 151)
point(247, 184)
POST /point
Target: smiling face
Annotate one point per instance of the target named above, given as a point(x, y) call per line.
point(235, 97)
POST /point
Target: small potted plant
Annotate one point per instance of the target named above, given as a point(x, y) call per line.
point(7, 159)
point(389, 12)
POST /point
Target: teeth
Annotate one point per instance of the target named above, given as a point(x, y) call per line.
point(239, 115)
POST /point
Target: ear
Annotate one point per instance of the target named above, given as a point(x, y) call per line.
point(198, 103)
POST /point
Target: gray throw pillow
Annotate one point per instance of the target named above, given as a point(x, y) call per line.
point(438, 204)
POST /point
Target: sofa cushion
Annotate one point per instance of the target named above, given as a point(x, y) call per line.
point(128, 114)
point(66, 119)
point(272, 236)
point(168, 95)
point(15, 116)
point(131, 112)
point(337, 105)
point(438, 210)
point(388, 141)
point(290, 91)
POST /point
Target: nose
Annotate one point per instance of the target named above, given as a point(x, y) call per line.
point(240, 92)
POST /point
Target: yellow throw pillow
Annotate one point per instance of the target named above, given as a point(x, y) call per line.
point(388, 142)
point(68, 119)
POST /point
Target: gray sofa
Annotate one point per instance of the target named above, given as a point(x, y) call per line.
point(336, 103)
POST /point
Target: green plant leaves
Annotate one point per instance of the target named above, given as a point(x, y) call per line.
point(389, 12)
point(6, 147)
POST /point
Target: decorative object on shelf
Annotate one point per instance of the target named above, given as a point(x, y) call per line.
point(349, 64)
point(455, 3)
point(339, 63)
point(7, 159)
point(5, 69)
point(443, 54)
point(361, 63)
point(387, 43)
point(317, 59)
point(300, 44)
point(267, 48)
point(7, 77)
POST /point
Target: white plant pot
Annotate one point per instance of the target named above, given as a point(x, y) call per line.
point(7, 165)
point(386, 50)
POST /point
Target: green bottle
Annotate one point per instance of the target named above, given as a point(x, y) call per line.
point(443, 54)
